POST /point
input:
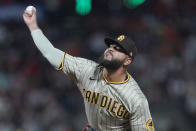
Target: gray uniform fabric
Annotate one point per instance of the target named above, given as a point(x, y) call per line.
point(119, 106)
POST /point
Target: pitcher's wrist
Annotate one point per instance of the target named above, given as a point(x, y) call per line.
point(33, 27)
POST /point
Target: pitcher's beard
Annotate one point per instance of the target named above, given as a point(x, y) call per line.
point(110, 64)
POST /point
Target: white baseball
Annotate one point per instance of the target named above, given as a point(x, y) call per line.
point(30, 9)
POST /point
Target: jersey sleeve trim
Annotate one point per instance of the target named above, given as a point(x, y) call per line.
point(115, 82)
point(62, 63)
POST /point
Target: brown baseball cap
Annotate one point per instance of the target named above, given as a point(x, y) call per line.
point(126, 43)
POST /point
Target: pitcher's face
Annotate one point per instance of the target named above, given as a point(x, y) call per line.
point(114, 52)
point(113, 58)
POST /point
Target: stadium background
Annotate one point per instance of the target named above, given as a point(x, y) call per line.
point(35, 97)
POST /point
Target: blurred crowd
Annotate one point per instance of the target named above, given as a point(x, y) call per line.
point(36, 97)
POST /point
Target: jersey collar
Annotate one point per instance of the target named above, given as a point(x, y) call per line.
point(115, 82)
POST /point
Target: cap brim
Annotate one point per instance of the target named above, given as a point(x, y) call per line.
point(109, 41)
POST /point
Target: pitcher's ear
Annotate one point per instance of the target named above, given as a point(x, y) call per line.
point(128, 61)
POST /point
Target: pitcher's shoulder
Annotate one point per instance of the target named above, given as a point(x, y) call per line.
point(135, 90)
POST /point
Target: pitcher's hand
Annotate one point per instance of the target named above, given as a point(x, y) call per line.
point(31, 19)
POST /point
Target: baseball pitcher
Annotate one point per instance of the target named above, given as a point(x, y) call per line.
point(113, 100)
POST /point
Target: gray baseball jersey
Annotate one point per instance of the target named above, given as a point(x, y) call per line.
point(119, 106)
